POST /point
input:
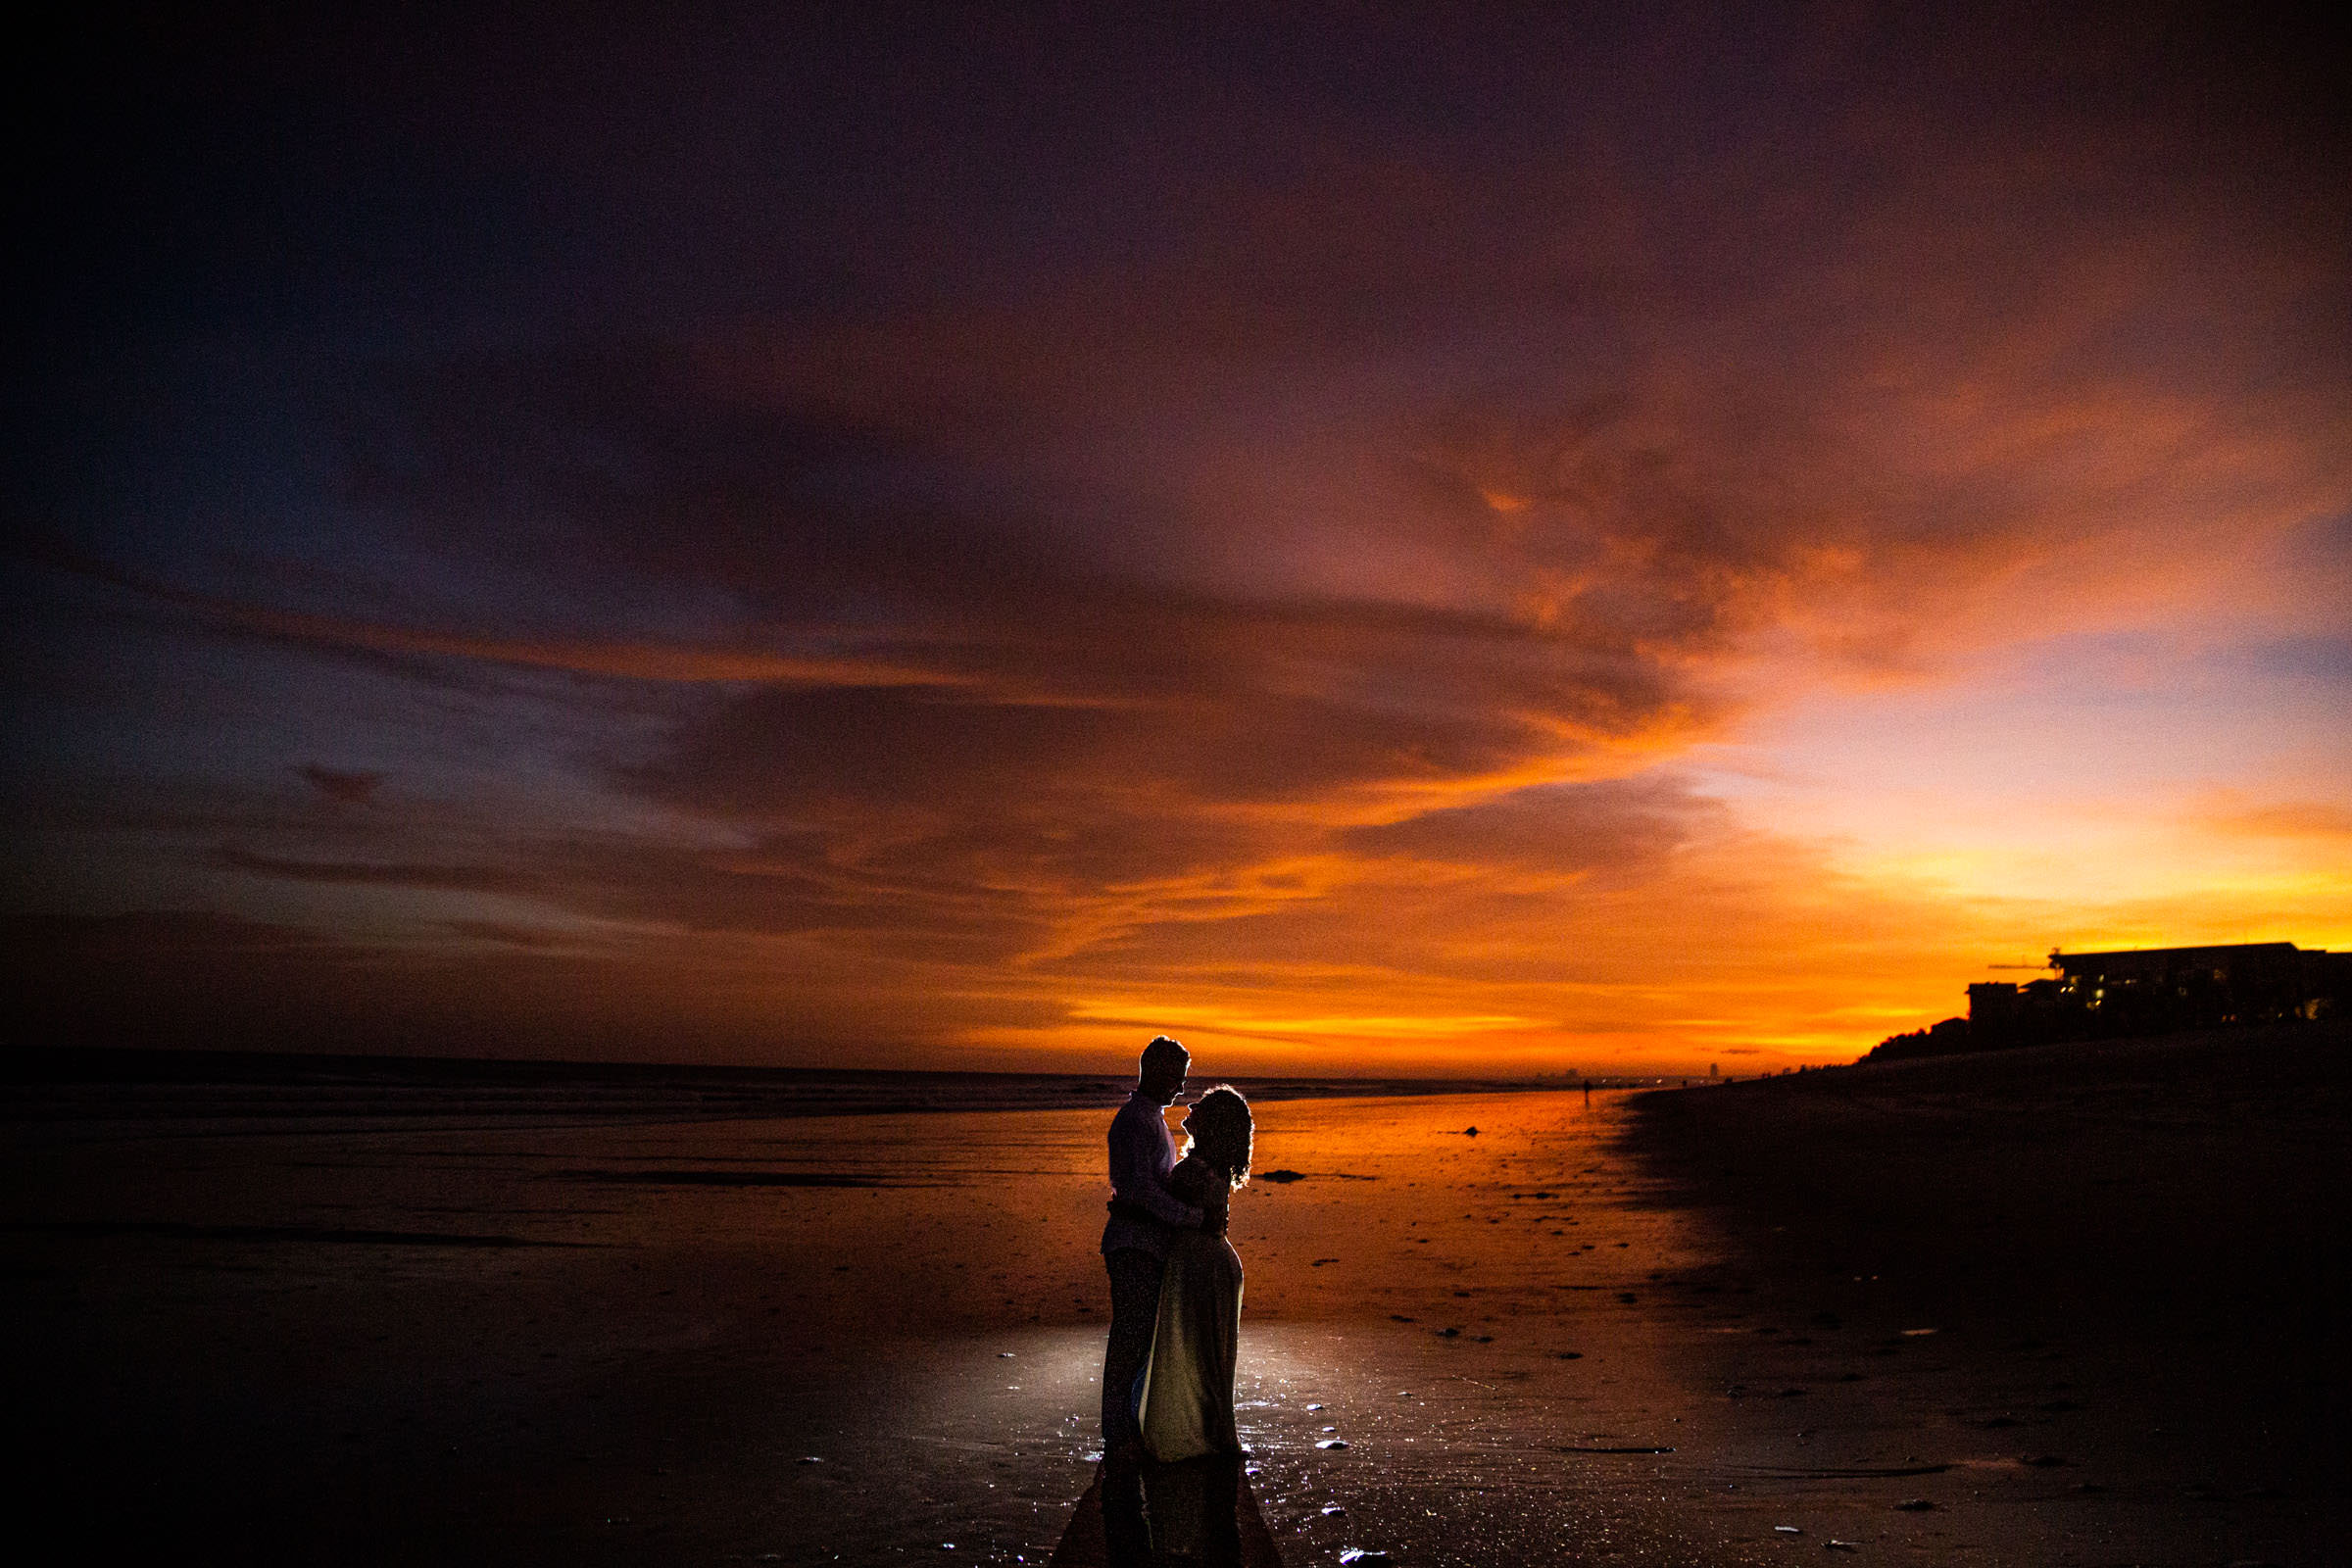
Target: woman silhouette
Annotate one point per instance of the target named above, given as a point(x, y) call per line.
point(1184, 1401)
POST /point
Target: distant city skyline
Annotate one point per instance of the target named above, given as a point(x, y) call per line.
point(1639, 540)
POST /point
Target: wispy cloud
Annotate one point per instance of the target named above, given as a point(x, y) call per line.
point(447, 878)
point(346, 786)
point(1288, 558)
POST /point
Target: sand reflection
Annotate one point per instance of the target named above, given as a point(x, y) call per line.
point(847, 1339)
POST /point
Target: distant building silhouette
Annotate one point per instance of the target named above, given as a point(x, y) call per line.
point(2142, 991)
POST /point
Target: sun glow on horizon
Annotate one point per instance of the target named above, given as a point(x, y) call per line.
point(981, 556)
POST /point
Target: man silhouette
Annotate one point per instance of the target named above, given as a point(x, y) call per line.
point(1134, 1239)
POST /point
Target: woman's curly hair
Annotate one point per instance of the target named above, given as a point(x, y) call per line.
point(1218, 1129)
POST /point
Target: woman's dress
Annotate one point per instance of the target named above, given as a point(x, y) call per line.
point(1185, 1406)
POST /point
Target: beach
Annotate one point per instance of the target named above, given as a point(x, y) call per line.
point(1565, 1337)
point(2106, 1279)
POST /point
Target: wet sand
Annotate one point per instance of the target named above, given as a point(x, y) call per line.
point(829, 1338)
point(861, 1339)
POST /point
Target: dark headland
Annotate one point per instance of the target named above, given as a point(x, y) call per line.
point(2126, 1259)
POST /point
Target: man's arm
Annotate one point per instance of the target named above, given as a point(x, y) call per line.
point(1136, 1178)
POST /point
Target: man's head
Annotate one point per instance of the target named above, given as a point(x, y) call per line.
point(1159, 1075)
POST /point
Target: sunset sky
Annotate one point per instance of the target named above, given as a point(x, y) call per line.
point(1613, 541)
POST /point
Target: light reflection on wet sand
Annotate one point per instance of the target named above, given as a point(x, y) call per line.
point(1530, 1356)
point(930, 1338)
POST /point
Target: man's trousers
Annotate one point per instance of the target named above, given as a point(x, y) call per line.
point(1134, 1313)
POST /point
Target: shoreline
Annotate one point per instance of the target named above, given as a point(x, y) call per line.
point(80, 1083)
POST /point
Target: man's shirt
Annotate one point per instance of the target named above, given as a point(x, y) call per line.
point(1142, 1153)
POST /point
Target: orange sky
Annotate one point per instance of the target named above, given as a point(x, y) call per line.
point(1619, 550)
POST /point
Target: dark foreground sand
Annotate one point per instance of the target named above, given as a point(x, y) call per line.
point(2132, 1255)
point(1584, 1335)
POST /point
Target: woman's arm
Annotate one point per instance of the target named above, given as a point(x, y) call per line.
point(1205, 1189)
point(1216, 1205)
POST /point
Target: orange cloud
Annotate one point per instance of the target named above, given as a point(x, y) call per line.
point(1365, 608)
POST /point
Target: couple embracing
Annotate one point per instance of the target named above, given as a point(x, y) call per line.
point(1175, 1280)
